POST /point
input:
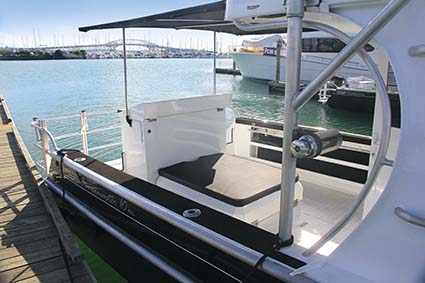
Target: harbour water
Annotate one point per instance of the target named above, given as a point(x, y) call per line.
point(54, 88)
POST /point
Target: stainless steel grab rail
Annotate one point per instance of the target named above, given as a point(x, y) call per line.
point(45, 139)
point(35, 125)
point(409, 217)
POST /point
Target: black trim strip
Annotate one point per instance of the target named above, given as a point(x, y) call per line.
point(318, 166)
point(279, 126)
point(349, 156)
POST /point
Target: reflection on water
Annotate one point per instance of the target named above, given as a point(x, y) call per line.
point(252, 98)
point(52, 88)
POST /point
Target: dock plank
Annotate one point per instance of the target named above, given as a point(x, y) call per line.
point(30, 258)
point(19, 240)
point(5, 218)
point(35, 269)
point(26, 206)
point(20, 222)
point(28, 248)
point(23, 200)
point(31, 229)
point(7, 234)
point(13, 199)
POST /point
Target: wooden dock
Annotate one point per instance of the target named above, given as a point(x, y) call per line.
point(36, 245)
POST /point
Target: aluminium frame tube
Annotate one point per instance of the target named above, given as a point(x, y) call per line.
point(124, 53)
point(295, 16)
point(215, 64)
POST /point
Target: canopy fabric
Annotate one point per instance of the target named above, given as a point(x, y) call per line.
point(208, 17)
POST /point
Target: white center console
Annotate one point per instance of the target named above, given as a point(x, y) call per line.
point(167, 132)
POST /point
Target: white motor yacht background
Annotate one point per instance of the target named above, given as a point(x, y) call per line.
point(257, 57)
point(388, 244)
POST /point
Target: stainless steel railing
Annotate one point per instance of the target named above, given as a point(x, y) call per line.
point(48, 143)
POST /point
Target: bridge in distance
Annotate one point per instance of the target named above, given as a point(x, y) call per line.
point(104, 47)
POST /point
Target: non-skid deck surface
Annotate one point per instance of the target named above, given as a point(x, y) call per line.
point(30, 250)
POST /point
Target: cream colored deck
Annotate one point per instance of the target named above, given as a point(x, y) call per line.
point(30, 249)
point(319, 210)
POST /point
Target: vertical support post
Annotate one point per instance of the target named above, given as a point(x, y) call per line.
point(278, 50)
point(215, 63)
point(295, 14)
point(37, 131)
point(45, 147)
point(83, 131)
point(124, 53)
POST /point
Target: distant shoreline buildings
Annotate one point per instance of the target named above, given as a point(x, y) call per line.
point(136, 49)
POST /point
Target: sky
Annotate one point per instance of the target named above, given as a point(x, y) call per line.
point(25, 23)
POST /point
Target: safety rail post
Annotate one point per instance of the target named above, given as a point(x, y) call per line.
point(37, 131)
point(278, 50)
point(84, 130)
point(45, 146)
point(215, 64)
point(295, 14)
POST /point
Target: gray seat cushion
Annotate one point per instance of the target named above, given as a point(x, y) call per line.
point(231, 179)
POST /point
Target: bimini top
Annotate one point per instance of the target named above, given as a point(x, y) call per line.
point(208, 17)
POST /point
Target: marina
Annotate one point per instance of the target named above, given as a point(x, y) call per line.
point(297, 160)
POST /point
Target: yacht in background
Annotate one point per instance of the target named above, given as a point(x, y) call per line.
point(257, 57)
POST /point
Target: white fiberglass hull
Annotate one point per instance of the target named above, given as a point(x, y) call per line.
point(258, 66)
